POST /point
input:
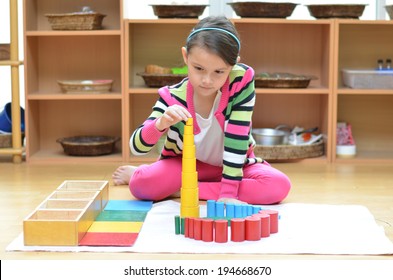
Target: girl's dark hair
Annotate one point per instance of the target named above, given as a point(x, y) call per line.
point(216, 41)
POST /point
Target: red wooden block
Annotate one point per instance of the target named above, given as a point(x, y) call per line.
point(273, 219)
point(108, 239)
point(198, 229)
point(191, 228)
point(186, 227)
point(253, 228)
point(221, 231)
point(207, 230)
point(265, 224)
point(238, 229)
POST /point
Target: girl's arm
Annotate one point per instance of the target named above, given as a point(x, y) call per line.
point(236, 140)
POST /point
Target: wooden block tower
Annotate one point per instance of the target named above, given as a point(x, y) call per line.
point(189, 194)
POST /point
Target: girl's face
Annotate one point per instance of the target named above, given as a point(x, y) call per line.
point(207, 72)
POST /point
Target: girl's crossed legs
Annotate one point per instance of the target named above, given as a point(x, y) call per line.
point(261, 184)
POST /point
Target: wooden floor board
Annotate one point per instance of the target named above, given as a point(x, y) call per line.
point(24, 186)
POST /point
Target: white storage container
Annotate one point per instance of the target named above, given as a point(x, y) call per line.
point(371, 79)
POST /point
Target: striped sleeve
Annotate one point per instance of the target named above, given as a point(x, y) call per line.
point(147, 135)
point(236, 140)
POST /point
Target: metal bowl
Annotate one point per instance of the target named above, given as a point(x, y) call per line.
point(269, 136)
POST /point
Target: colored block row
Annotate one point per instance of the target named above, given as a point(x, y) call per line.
point(251, 228)
point(230, 210)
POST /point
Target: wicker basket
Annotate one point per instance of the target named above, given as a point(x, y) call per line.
point(282, 80)
point(88, 145)
point(4, 51)
point(161, 80)
point(76, 21)
point(336, 11)
point(290, 152)
point(178, 11)
point(85, 86)
point(389, 10)
point(6, 140)
point(263, 9)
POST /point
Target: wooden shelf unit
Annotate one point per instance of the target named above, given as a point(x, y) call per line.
point(359, 44)
point(302, 47)
point(313, 47)
point(17, 148)
point(52, 55)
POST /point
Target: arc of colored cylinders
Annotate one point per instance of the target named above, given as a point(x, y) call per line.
point(259, 224)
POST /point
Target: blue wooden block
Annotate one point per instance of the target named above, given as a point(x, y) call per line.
point(230, 210)
point(211, 208)
point(220, 209)
point(238, 211)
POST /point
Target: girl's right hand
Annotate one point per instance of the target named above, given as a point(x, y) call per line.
point(172, 115)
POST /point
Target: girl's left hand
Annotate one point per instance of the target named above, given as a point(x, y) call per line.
point(231, 200)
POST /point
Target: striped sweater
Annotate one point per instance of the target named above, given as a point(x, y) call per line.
point(234, 115)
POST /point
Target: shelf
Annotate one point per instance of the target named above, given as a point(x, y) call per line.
point(52, 55)
point(351, 91)
point(58, 156)
point(309, 90)
point(77, 96)
point(16, 150)
point(74, 33)
point(36, 10)
point(298, 47)
point(10, 63)
point(359, 45)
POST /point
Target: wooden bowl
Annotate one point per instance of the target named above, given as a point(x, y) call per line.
point(85, 86)
point(88, 145)
point(161, 80)
point(178, 11)
point(336, 11)
point(263, 9)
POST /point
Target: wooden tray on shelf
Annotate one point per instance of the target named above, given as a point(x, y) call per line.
point(76, 21)
point(353, 11)
point(88, 145)
point(161, 80)
point(289, 152)
point(282, 80)
point(178, 11)
point(263, 9)
point(85, 86)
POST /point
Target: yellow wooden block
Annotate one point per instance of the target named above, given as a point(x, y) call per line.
point(190, 212)
point(188, 130)
point(188, 140)
point(189, 180)
point(134, 227)
point(189, 152)
point(189, 197)
point(188, 165)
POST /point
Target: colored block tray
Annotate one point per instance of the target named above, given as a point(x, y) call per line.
point(65, 216)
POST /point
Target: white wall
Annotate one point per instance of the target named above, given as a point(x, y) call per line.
point(142, 9)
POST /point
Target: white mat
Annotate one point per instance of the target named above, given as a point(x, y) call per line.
point(303, 229)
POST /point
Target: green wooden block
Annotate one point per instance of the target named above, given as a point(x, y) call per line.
point(122, 215)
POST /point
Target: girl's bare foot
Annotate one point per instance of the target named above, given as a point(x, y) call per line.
point(123, 174)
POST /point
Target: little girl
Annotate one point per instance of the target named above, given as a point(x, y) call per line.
point(219, 95)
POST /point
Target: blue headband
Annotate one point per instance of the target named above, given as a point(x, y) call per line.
point(214, 28)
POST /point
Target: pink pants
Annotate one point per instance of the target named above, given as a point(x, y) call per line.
point(261, 184)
